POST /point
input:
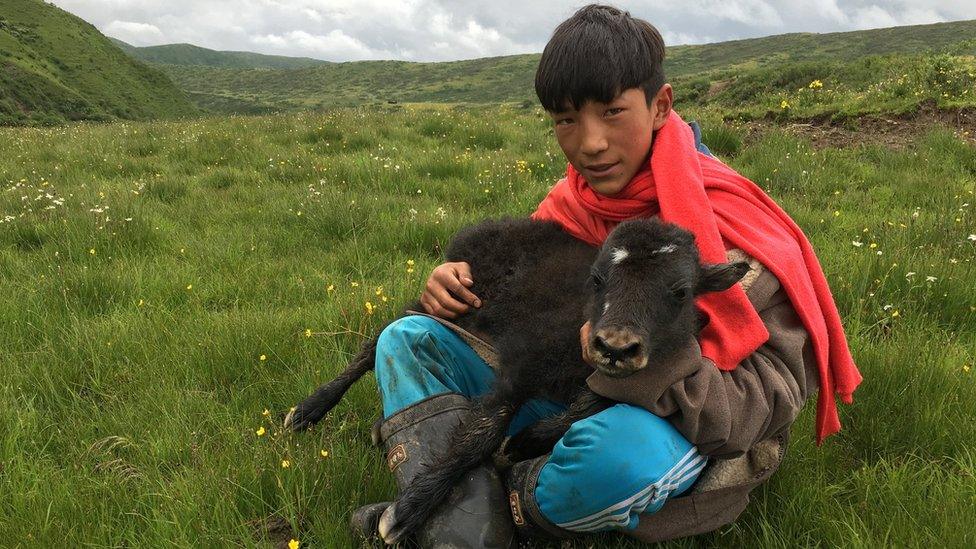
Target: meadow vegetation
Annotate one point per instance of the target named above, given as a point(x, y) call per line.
point(169, 289)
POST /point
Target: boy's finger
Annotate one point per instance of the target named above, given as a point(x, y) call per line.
point(464, 294)
point(463, 272)
point(448, 303)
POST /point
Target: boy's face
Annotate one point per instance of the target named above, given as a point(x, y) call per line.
point(608, 143)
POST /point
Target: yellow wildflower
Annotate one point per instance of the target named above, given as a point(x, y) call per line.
point(410, 262)
point(895, 313)
point(141, 302)
point(354, 284)
point(92, 251)
point(189, 286)
point(784, 105)
point(266, 412)
point(379, 290)
point(260, 432)
point(330, 288)
point(293, 544)
point(263, 358)
point(324, 453)
point(285, 464)
point(369, 308)
point(816, 84)
point(308, 332)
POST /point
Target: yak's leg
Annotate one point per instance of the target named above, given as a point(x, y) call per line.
point(539, 438)
point(472, 442)
point(312, 409)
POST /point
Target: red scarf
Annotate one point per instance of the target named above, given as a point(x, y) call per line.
point(719, 206)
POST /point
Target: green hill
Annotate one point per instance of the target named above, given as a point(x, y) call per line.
point(509, 79)
point(835, 46)
point(188, 54)
point(56, 67)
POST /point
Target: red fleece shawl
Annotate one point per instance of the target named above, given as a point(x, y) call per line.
point(719, 206)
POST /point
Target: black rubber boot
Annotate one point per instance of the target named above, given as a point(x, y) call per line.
point(475, 513)
point(520, 483)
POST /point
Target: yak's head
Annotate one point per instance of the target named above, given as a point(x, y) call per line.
point(644, 282)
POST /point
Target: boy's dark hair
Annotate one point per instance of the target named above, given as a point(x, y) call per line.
point(597, 53)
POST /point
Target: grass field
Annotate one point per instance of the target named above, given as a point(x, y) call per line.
point(169, 289)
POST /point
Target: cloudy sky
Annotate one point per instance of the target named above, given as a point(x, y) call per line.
point(440, 30)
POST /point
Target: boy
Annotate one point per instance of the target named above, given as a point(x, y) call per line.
point(731, 396)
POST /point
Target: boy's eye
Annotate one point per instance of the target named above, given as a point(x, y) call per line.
point(563, 121)
point(614, 110)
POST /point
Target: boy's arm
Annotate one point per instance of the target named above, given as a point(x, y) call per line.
point(726, 413)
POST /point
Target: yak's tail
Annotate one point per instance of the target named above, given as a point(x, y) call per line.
point(312, 409)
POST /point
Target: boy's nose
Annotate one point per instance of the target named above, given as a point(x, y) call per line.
point(594, 140)
point(593, 144)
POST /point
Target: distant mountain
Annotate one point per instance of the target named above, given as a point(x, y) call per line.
point(509, 79)
point(188, 54)
point(834, 46)
point(56, 67)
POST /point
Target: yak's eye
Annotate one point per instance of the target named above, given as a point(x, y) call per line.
point(681, 292)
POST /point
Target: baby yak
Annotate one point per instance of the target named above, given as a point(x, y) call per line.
point(538, 285)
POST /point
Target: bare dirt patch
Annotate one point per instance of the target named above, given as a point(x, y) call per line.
point(895, 131)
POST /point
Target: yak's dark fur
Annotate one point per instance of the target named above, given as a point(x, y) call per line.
point(538, 285)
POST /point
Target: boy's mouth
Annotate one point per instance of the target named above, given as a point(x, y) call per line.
point(601, 170)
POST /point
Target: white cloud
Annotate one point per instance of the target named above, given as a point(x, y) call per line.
point(137, 34)
point(335, 44)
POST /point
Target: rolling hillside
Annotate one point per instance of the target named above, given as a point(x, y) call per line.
point(56, 67)
point(509, 79)
point(188, 54)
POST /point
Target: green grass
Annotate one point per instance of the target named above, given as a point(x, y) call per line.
point(145, 269)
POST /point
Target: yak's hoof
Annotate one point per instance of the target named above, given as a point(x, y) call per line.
point(388, 527)
point(365, 519)
point(289, 418)
point(297, 421)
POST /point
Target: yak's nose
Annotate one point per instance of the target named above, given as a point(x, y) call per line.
point(617, 345)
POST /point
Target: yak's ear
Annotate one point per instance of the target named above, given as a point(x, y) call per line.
point(720, 276)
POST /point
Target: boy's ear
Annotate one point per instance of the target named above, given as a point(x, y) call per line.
point(661, 106)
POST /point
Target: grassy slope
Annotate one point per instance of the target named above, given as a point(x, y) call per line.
point(844, 46)
point(161, 261)
point(55, 67)
point(188, 54)
point(509, 79)
point(488, 80)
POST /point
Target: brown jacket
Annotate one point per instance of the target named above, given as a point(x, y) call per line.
point(742, 417)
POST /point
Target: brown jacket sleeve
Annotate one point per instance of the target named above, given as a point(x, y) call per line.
point(725, 413)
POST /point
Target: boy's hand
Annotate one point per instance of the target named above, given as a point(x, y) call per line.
point(447, 294)
point(585, 342)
